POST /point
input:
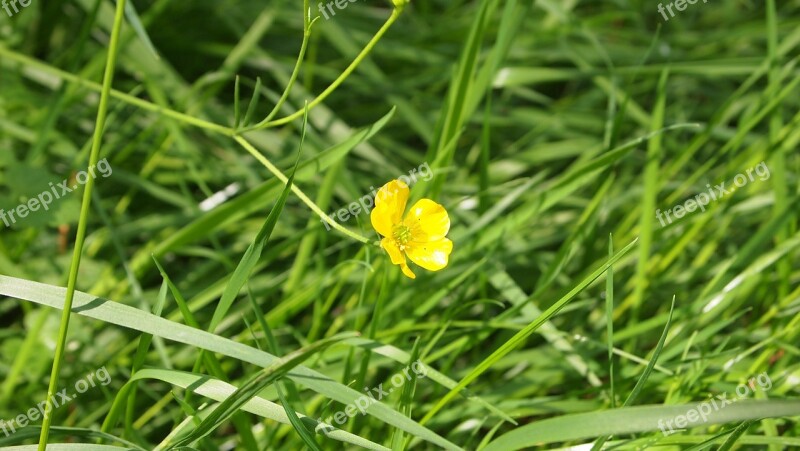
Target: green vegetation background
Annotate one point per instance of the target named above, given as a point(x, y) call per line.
point(555, 130)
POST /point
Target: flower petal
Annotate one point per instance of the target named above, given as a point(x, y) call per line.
point(432, 256)
point(397, 257)
point(429, 220)
point(390, 203)
point(407, 271)
point(395, 254)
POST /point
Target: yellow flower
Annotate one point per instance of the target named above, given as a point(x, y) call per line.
point(421, 235)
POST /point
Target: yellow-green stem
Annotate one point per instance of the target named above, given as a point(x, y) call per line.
point(307, 23)
point(94, 156)
point(342, 77)
point(280, 175)
point(127, 98)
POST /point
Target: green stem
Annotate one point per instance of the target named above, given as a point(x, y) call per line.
point(307, 23)
point(280, 175)
point(200, 123)
point(342, 77)
point(127, 98)
point(94, 156)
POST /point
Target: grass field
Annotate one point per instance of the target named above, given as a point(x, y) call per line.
point(203, 244)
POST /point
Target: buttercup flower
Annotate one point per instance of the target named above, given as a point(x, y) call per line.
point(420, 236)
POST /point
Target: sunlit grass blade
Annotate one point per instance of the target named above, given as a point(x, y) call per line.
point(219, 391)
point(631, 420)
point(32, 432)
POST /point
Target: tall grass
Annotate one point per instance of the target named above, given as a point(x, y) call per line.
point(203, 275)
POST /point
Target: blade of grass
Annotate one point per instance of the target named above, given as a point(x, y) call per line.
point(649, 196)
point(610, 321)
point(645, 374)
point(736, 434)
point(631, 420)
point(253, 253)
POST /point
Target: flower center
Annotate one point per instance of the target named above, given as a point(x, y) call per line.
point(401, 234)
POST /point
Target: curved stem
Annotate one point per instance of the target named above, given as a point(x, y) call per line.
point(94, 156)
point(307, 23)
point(342, 77)
point(282, 177)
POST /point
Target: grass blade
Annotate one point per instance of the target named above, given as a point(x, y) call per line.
point(631, 420)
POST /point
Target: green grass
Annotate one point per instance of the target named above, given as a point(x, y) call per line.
point(550, 127)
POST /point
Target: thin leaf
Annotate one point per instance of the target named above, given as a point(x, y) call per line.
point(251, 108)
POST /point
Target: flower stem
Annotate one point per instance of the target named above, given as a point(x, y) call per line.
point(342, 77)
point(280, 175)
point(307, 23)
point(94, 156)
point(127, 98)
